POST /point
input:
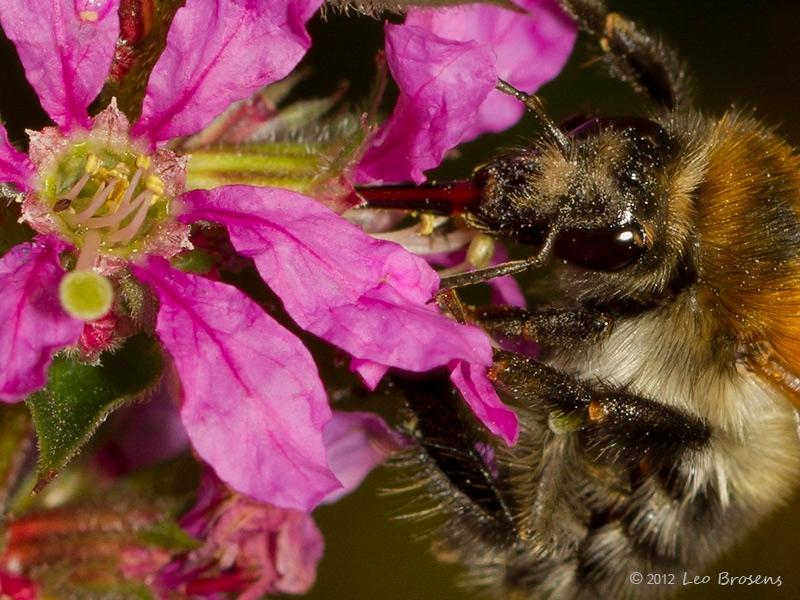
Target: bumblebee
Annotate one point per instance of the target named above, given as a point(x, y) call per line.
point(659, 422)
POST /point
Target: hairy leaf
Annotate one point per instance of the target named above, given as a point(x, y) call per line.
point(78, 397)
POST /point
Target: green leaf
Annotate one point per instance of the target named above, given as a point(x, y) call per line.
point(78, 397)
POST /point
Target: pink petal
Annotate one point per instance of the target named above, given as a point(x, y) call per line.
point(442, 84)
point(14, 165)
point(34, 325)
point(370, 372)
point(369, 297)
point(66, 47)
point(299, 548)
point(505, 290)
point(254, 406)
point(531, 48)
point(248, 548)
point(218, 52)
point(357, 442)
point(482, 398)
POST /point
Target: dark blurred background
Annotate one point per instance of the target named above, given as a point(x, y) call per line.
point(741, 53)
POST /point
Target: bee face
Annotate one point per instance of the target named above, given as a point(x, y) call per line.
point(608, 195)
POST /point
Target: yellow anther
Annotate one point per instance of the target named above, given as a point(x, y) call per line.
point(92, 164)
point(480, 251)
point(154, 199)
point(154, 184)
point(427, 224)
point(143, 161)
point(120, 171)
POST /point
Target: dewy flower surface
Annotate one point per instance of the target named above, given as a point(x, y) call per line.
point(106, 200)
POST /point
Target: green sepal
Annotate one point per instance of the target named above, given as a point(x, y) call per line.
point(78, 397)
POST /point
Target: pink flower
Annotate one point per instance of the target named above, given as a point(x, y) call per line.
point(446, 62)
point(248, 548)
point(106, 194)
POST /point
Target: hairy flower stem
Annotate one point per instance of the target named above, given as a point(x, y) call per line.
point(288, 165)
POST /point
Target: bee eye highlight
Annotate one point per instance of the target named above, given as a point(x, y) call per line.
point(606, 249)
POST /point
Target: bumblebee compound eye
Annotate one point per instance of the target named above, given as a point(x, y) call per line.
point(606, 249)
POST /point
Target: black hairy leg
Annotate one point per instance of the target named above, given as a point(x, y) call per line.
point(612, 425)
point(632, 54)
point(554, 327)
point(450, 456)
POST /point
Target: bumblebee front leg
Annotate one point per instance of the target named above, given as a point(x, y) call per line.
point(556, 327)
point(613, 425)
point(632, 55)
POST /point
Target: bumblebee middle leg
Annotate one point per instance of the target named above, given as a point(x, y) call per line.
point(632, 54)
point(555, 327)
point(613, 425)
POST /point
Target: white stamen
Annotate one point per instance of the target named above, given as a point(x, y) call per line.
point(91, 244)
point(121, 214)
point(76, 189)
point(100, 197)
point(127, 233)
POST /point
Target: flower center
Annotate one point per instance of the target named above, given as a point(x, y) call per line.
point(105, 200)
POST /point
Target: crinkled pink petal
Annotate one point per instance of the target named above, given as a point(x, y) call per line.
point(34, 325)
point(369, 297)
point(357, 442)
point(531, 48)
point(482, 398)
point(15, 167)
point(442, 84)
point(218, 52)
point(254, 406)
point(66, 47)
point(248, 548)
point(299, 548)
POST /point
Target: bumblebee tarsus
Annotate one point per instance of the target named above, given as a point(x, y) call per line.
point(632, 54)
point(507, 268)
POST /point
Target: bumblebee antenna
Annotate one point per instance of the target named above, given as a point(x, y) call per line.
point(507, 268)
point(534, 104)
